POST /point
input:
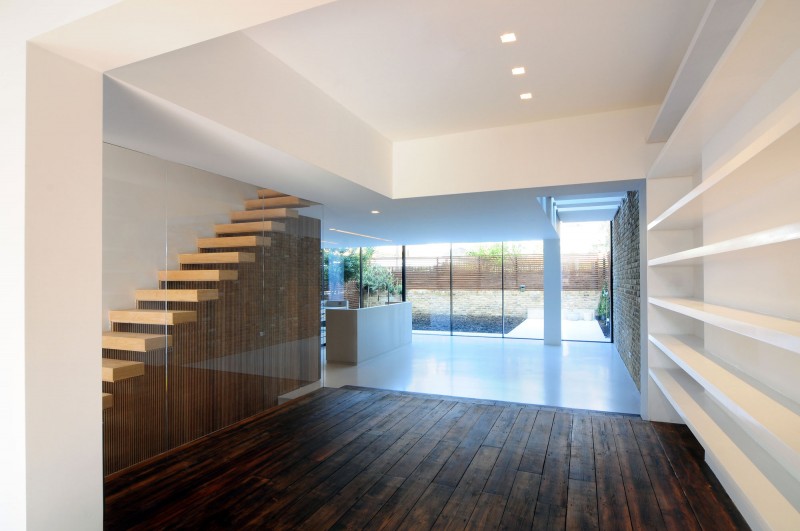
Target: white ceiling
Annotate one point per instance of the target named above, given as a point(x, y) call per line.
point(420, 68)
point(415, 68)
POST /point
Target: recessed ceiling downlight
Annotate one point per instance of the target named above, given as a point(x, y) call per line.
point(517, 70)
point(505, 38)
point(526, 96)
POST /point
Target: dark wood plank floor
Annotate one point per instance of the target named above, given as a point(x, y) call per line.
point(356, 458)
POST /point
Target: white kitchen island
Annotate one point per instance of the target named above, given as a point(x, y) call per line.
point(355, 335)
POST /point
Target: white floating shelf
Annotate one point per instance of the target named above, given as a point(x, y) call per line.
point(783, 333)
point(773, 426)
point(755, 495)
point(785, 233)
point(686, 212)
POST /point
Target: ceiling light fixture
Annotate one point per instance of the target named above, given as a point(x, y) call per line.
point(362, 235)
point(525, 96)
point(518, 71)
point(375, 212)
point(505, 38)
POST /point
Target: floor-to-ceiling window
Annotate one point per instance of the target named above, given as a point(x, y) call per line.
point(489, 288)
point(523, 289)
point(428, 286)
point(381, 275)
point(585, 281)
point(477, 272)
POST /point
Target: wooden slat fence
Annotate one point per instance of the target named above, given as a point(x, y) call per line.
point(580, 272)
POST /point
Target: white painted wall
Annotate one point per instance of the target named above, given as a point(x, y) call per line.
point(594, 148)
point(238, 84)
point(20, 20)
point(152, 210)
point(55, 482)
point(63, 221)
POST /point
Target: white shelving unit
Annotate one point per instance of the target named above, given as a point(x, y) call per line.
point(774, 426)
point(763, 503)
point(783, 333)
point(723, 279)
point(783, 234)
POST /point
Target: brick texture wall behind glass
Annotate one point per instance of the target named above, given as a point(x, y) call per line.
point(625, 268)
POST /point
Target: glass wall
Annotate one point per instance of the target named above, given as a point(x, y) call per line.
point(585, 279)
point(340, 274)
point(362, 276)
point(207, 320)
point(523, 289)
point(428, 286)
point(381, 275)
point(477, 270)
point(489, 288)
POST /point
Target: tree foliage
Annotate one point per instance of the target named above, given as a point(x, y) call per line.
point(375, 277)
point(604, 304)
point(494, 252)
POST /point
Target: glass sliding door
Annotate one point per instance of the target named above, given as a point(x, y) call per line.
point(477, 288)
point(585, 279)
point(428, 286)
point(523, 289)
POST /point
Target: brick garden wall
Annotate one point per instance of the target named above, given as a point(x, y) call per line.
point(625, 269)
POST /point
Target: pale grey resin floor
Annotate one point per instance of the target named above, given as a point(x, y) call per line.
point(576, 375)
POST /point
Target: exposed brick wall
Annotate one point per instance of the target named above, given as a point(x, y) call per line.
point(625, 268)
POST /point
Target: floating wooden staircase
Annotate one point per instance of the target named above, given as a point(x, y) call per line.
point(264, 215)
point(198, 275)
point(249, 226)
point(276, 202)
point(177, 295)
point(216, 258)
point(135, 342)
point(116, 370)
point(220, 257)
point(266, 192)
point(233, 241)
point(152, 317)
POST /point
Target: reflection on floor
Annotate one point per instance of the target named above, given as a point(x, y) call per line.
point(575, 375)
point(571, 330)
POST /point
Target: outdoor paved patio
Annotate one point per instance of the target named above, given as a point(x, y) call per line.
point(570, 330)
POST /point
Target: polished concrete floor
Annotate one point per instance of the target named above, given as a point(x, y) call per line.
point(575, 375)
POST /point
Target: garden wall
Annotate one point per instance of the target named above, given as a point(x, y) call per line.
point(626, 281)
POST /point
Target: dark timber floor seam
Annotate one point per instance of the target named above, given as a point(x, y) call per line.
point(358, 458)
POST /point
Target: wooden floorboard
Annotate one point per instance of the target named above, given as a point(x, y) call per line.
point(358, 458)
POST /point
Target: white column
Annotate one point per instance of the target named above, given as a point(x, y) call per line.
point(552, 292)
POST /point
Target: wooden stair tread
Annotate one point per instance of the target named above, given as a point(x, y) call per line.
point(250, 226)
point(265, 214)
point(288, 201)
point(177, 295)
point(265, 193)
point(198, 275)
point(135, 342)
point(108, 400)
point(116, 370)
point(155, 317)
point(232, 257)
point(233, 241)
